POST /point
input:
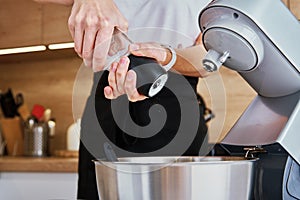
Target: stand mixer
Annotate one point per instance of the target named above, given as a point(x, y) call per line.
point(260, 40)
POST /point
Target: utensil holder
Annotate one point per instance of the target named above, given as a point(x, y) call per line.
point(36, 139)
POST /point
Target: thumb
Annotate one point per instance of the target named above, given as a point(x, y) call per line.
point(136, 50)
point(150, 50)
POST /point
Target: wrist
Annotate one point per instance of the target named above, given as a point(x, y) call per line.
point(170, 59)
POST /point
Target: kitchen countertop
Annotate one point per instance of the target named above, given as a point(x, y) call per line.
point(36, 164)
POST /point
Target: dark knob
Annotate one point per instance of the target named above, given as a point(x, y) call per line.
point(151, 76)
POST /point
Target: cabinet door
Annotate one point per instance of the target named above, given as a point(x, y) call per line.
point(26, 23)
point(55, 24)
point(20, 23)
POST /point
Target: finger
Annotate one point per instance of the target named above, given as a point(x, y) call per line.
point(135, 49)
point(121, 74)
point(88, 45)
point(151, 50)
point(130, 87)
point(71, 25)
point(80, 25)
point(112, 79)
point(108, 92)
point(78, 38)
point(102, 45)
point(71, 20)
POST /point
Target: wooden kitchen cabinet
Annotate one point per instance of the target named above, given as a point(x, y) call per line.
point(26, 23)
point(20, 23)
point(55, 24)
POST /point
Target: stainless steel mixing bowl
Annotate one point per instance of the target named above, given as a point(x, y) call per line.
point(175, 178)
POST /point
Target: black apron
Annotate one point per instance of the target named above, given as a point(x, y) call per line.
point(139, 113)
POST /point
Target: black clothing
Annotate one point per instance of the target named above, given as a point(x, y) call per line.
point(139, 113)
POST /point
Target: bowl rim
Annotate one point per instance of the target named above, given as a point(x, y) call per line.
point(175, 160)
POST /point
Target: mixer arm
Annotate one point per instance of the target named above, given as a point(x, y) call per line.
point(242, 35)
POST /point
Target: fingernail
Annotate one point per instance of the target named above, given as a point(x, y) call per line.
point(130, 75)
point(123, 60)
point(107, 91)
point(113, 67)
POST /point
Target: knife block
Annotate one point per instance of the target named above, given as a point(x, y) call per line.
point(12, 131)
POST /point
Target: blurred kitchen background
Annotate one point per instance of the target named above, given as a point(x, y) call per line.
point(47, 77)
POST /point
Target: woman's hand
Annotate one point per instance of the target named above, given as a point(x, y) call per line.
point(121, 81)
point(151, 50)
point(91, 24)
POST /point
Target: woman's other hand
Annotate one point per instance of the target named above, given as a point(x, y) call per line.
point(121, 81)
point(91, 24)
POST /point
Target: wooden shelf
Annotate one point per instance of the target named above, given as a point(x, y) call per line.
point(32, 164)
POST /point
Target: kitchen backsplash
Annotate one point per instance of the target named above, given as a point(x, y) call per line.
point(48, 83)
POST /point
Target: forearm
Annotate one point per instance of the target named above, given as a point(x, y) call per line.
point(189, 61)
point(62, 2)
